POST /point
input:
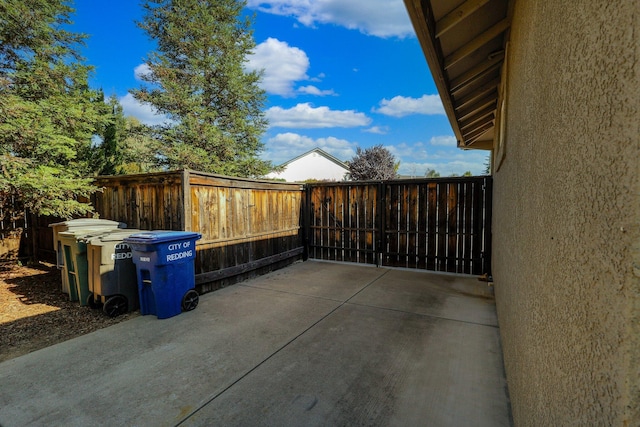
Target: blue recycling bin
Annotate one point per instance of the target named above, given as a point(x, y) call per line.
point(166, 272)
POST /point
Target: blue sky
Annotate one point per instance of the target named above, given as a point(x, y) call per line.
point(338, 75)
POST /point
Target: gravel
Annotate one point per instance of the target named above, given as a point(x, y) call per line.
point(35, 313)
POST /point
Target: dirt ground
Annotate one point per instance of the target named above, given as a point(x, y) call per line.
point(35, 313)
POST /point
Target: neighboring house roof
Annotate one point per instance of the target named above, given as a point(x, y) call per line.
point(464, 44)
point(322, 153)
point(314, 164)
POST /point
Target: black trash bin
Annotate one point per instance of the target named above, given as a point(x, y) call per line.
point(113, 281)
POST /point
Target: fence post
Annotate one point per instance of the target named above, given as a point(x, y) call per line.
point(186, 200)
point(488, 208)
point(381, 241)
point(306, 221)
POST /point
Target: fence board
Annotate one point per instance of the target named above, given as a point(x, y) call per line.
point(452, 227)
point(413, 219)
point(363, 223)
point(477, 238)
point(352, 225)
point(422, 219)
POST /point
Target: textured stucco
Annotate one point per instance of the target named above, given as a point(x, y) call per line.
point(566, 254)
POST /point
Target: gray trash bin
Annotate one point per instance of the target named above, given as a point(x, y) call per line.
point(74, 248)
point(80, 223)
point(113, 281)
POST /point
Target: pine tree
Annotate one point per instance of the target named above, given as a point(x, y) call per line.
point(48, 114)
point(109, 152)
point(197, 78)
point(487, 165)
point(140, 153)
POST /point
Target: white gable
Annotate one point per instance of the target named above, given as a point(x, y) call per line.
point(312, 165)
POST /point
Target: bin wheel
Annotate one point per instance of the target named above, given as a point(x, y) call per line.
point(91, 301)
point(115, 306)
point(190, 300)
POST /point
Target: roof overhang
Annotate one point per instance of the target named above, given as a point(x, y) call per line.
point(464, 42)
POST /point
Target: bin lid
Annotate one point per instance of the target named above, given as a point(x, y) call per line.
point(89, 222)
point(83, 233)
point(160, 236)
point(118, 234)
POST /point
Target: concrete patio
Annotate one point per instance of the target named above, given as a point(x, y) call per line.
point(316, 343)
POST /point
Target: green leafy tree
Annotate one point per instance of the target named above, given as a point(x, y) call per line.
point(374, 163)
point(48, 114)
point(432, 173)
point(197, 78)
point(467, 173)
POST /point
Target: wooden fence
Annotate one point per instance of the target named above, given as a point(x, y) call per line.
point(246, 225)
point(13, 224)
point(441, 224)
point(249, 226)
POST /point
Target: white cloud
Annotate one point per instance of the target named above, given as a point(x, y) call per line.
point(283, 65)
point(286, 146)
point(416, 158)
point(143, 112)
point(382, 18)
point(415, 152)
point(312, 90)
point(306, 116)
point(141, 71)
point(379, 130)
point(444, 168)
point(400, 106)
point(448, 141)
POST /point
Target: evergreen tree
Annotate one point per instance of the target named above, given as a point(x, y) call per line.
point(110, 151)
point(374, 163)
point(196, 77)
point(140, 153)
point(48, 114)
point(487, 165)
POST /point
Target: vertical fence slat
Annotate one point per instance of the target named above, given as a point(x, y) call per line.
point(477, 229)
point(452, 235)
point(487, 230)
point(352, 253)
point(432, 225)
point(363, 221)
point(403, 226)
point(442, 227)
point(468, 229)
point(422, 219)
point(412, 227)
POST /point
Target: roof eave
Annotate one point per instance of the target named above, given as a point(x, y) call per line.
point(465, 52)
point(424, 27)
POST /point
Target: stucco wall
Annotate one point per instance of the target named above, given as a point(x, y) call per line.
point(567, 214)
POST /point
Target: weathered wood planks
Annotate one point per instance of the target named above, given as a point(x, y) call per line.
point(434, 224)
